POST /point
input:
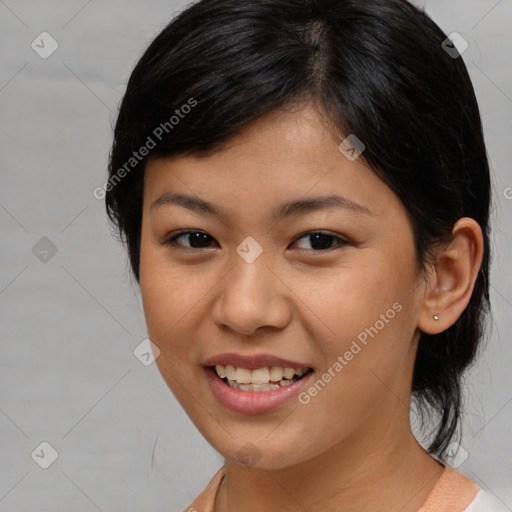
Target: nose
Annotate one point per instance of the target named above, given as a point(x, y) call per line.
point(252, 296)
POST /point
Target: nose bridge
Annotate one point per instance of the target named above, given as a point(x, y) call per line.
point(251, 295)
point(251, 274)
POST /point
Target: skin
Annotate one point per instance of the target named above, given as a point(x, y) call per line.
point(351, 447)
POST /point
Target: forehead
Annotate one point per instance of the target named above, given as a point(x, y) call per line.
point(285, 154)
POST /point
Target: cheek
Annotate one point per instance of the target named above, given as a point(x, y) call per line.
point(367, 310)
point(354, 297)
point(365, 372)
point(167, 295)
point(167, 292)
point(171, 299)
point(164, 298)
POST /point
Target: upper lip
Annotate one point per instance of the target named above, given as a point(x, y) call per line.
point(253, 362)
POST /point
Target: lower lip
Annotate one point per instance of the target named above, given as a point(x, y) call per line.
point(253, 402)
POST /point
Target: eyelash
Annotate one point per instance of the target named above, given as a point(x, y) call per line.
point(171, 240)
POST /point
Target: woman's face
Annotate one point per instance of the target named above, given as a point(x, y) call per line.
point(254, 286)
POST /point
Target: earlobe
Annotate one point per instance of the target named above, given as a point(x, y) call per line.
point(453, 277)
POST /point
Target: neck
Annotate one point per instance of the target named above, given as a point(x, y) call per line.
point(374, 469)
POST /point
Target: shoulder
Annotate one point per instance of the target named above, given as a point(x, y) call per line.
point(456, 492)
point(486, 502)
point(205, 501)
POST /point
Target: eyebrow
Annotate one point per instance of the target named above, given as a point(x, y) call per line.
point(278, 213)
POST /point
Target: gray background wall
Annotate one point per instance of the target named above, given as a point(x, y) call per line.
point(69, 321)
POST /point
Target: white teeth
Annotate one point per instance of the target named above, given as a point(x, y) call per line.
point(229, 371)
point(260, 376)
point(288, 373)
point(257, 387)
point(252, 387)
point(234, 384)
point(243, 375)
point(260, 379)
point(276, 373)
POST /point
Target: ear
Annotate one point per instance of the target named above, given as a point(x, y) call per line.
point(452, 278)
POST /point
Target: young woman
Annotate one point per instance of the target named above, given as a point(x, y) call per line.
point(303, 189)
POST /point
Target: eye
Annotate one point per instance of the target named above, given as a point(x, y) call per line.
point(196, 239)
point(321, 241)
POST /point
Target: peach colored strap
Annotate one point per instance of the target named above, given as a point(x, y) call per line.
point(205, 502)
point(453, 492)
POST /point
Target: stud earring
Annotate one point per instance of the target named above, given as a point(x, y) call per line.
point(436, 317)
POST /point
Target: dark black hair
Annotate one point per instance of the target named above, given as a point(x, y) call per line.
point(374, 68)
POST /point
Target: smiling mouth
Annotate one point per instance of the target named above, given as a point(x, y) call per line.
point(260, 379)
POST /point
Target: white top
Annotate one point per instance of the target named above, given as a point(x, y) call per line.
point(486, 502)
